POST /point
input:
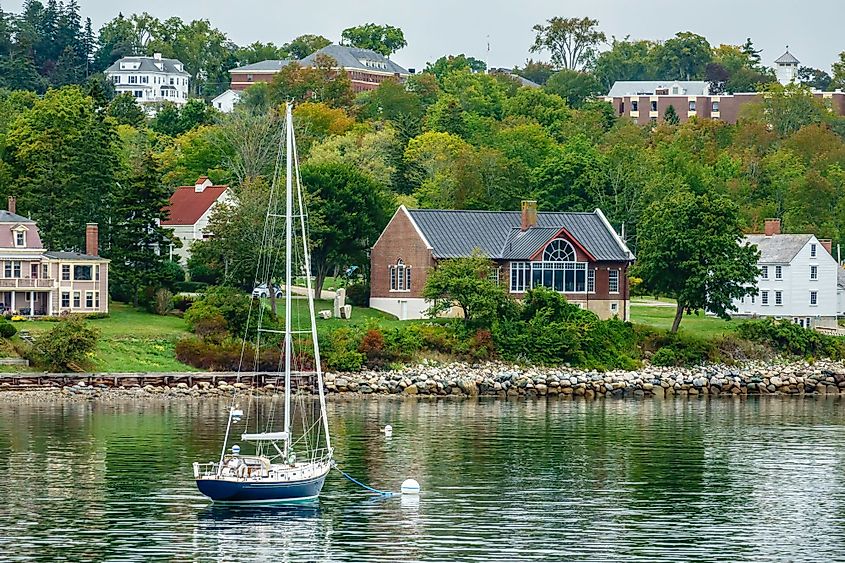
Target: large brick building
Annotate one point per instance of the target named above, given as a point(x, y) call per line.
point(366, 69)
point(646, 101)
point(576, 254)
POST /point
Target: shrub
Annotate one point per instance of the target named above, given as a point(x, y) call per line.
point(67, 344)
point(664, 357)
point(342, 353)
point(163, 301)
point(372, 346)
point(182, 302)
point(226, 355)
point(7, 329)
point(358, 294)
point(788, 337)
point(228, 303)
point(481, 345)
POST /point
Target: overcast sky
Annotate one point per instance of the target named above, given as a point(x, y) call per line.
point(437, 27)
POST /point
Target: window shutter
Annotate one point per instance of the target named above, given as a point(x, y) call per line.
point(408, 278)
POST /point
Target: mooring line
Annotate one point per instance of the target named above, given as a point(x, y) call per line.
point(357, 482)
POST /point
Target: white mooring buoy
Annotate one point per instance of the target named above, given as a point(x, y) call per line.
point(388, 431)
point(410, 487)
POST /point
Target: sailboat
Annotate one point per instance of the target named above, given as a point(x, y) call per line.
point(288, 464)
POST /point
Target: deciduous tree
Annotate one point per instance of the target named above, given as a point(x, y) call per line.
point(571, 42)
point(690, 248)
point(384, 39)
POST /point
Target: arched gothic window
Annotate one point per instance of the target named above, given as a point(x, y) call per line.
point(400, 276)
point(559, 250)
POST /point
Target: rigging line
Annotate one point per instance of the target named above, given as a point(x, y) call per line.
point(357, 482)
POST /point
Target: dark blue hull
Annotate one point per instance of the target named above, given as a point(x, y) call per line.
point(220, 490)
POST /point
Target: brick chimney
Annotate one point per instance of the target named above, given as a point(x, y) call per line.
point(827, 244)
point(529, 214)
point(772, 227)
point(12, 207)
point(92, 242)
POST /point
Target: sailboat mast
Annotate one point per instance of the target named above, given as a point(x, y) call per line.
point(288, 261)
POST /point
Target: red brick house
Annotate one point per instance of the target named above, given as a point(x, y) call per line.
point(576, 254)
point(366, 69)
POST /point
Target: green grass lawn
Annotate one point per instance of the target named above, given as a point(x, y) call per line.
point(698, 325)
point(130, 340)
point(361, 316)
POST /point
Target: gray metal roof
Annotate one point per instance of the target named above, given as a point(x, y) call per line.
point(148, 65)
point(73, 256)
point(778, 249)
point(8, 217)
point(352, 57)
point(787, 58)
point(453, 234)
point(648, 87)
point(272, 65)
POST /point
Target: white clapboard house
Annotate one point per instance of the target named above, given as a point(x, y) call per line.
point(798, 279)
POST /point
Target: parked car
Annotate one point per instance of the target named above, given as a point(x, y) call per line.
point(261, 291)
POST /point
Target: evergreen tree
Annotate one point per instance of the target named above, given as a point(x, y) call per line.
point(671, 116)
point(137, 243)
point(126, 111)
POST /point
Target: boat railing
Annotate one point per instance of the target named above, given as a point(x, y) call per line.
point(246, 470)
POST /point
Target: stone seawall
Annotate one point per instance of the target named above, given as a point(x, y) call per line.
point(505, 381)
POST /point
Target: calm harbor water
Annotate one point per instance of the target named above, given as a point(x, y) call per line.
point(552, 480)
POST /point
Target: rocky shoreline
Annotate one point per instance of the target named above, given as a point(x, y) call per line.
point(511, 381)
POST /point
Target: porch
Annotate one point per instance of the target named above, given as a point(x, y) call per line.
point(31, 303)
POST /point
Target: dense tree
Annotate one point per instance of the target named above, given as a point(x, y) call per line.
point(384, 39)
point(467, 283)
point(257, 52)
point(565, 180)
point(689, 249)
point(573, 86)
point(671, 116)
point(684, 57)
point(126, 111)
point(535, 71)
point(451, 63)
point(302, 46)
point(319, 83)
point(625, 60)
point(347, 213)
point(571, 42)
point(814, 78)
point(838, 72)
point(137, 239)
point(62, 156)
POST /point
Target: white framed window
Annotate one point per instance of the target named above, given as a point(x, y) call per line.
point(65, 272)
point(400, 276)
point(520, 277)
point(715, 107)
point(82, 272)
point(692, 105)
point(77, 299)
point(814, 298)
point(634, 105)
point(764, 297)
point(591, 281)
point(558, 270)
point(89, 299)
point(559, 250)
point(814, 272)
point(778, 272)
point(97, 272)
point(20, 237)
point(65, 299)
point(16, 268)
point(97, 299)
point(778, 298)
point(614, 308)
point(813, 250)
point(764, 272)
point(613, 281)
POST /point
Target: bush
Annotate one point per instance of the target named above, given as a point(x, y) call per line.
point(790, 338)
point(67, 345)
point(228, 303)
point(182, 302)
point(342, 353)
point(226, 355)
point(163, 301)
point(372, 346)
point(7, 329)
point(670, 349)
point(358, 294)
point(665, 357)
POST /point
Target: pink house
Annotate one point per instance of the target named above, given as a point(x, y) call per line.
point(35, 281)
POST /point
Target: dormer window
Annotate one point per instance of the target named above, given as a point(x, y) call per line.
point(19, 236)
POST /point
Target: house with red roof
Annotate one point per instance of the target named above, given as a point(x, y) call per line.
point(189, 212)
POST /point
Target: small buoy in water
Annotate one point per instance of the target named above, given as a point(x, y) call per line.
point(410, 487)
point(388, 431)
